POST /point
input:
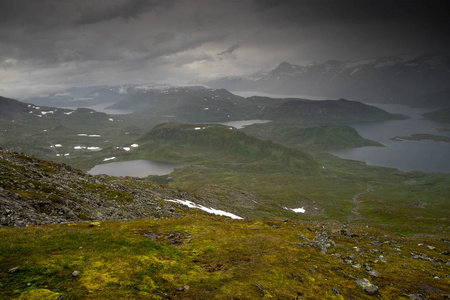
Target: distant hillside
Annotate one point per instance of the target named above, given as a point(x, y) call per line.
point(219, 105)
point(24, 113)
point(219, 145)
point(441, 115)
point(314, 138)
point(91, 95)
point(421, 81)
point(325, 111)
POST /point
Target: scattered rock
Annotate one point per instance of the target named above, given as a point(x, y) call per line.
point(75, 273)
point(436, 276)
point(348, 234)
point(151, 236)
point(175, 238)
point(13, 270)
point(374, 273)
point(423, 257)
point(417, 297)
point(381, 258)
point(376, 243)
point(367, 286)
point(335, 291)
point(323, 241)
point(303, 237)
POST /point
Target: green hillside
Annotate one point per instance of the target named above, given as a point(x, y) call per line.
point(324, 111)
point(441, 115)
point(222, 146)
point(311, 138)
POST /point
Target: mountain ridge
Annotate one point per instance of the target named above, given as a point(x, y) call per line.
point(382, 79)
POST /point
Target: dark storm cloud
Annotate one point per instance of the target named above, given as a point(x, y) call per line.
point(125, 10)
point(414, 22)
point(45, 42)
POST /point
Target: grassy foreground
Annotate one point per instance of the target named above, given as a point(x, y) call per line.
point(206, 257)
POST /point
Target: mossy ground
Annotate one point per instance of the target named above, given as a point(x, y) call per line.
point(206, 257)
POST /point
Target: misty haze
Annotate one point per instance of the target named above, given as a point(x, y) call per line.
point(190, 149)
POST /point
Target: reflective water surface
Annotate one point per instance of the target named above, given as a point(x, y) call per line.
point(136, 168)
point(425, 155)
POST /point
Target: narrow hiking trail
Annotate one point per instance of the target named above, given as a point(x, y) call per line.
point(355, 209)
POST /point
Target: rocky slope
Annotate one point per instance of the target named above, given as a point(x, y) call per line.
point(33, 191)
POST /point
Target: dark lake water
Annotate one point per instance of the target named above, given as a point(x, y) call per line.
point(425, 155)
point(136, 168)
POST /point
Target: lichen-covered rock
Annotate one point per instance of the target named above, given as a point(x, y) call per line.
point(323, 241)
point(368, 286)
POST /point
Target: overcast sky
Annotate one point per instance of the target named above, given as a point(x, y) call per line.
point(52, 44)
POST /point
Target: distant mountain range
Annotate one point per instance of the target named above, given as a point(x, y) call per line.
point(422, 81)
point(217, 105)
point(92, 95)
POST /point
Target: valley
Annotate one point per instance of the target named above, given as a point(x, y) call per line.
point(284, 164)
point(235, 150)
point(295, 199)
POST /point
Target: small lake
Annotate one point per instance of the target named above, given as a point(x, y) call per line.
point(242, 124)
point(135, 168)
point(425, 155)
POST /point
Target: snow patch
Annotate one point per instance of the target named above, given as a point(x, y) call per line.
point(82, 134)
point(94, 135)
point(122, 90)
point(111, 119)
point(296, 210)
point(204, 208)
point(109, 158)
point(94, 148)
point(47, 112)
point(134, 145)
point(126, 148)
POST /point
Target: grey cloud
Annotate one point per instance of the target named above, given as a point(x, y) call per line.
point(129, 39)
point(229, 50)
point(124, 10)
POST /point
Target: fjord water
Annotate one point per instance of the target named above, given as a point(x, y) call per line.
point(425, 155)
point(135, 168)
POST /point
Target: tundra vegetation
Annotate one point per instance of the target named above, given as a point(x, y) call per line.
point(315, 226)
